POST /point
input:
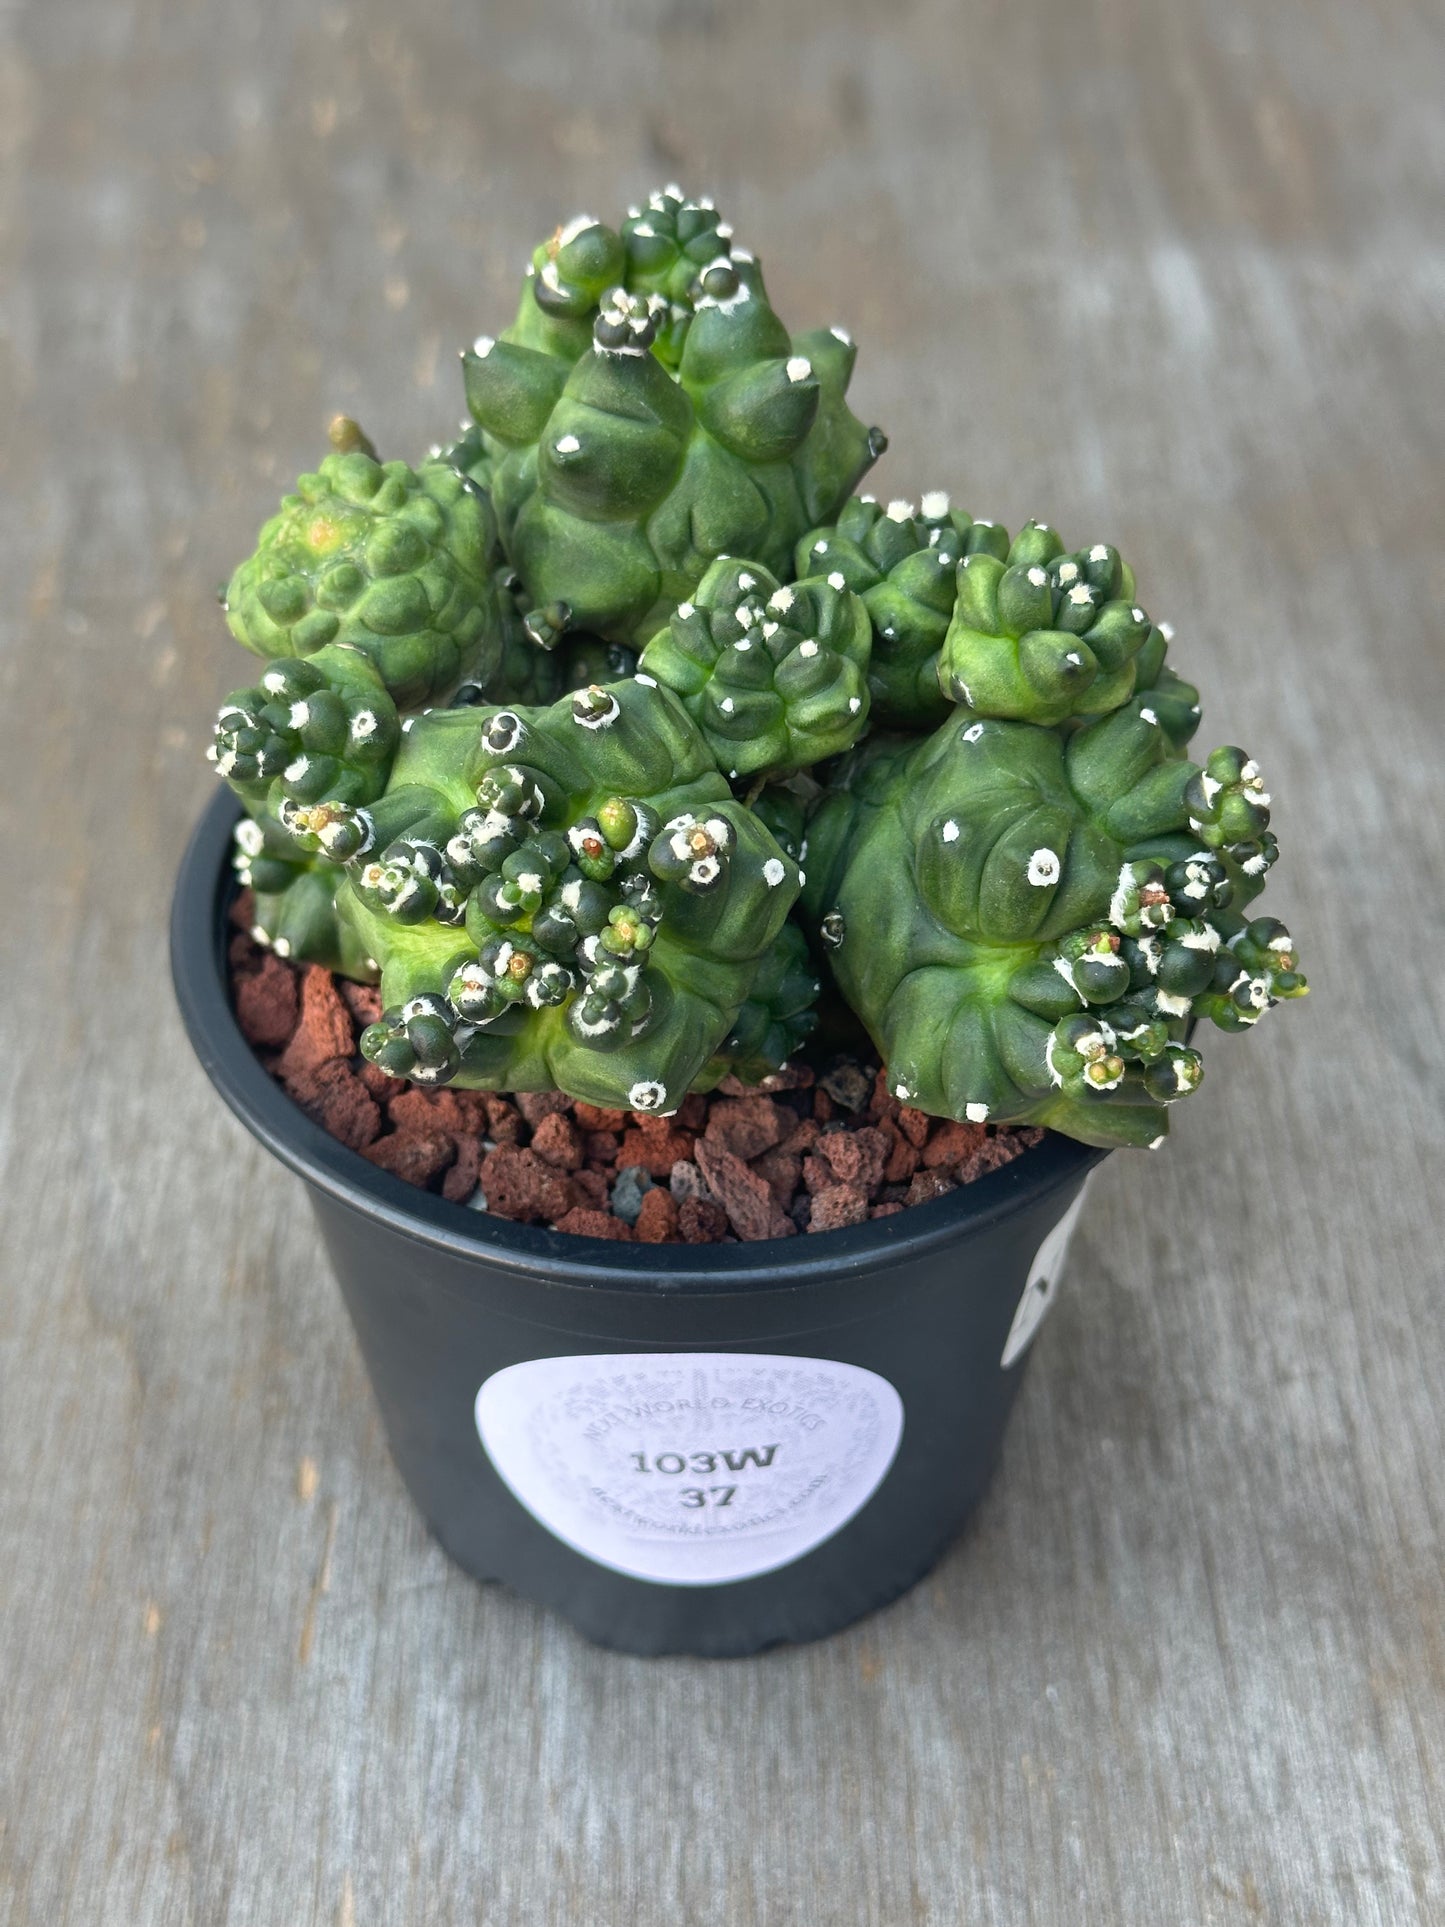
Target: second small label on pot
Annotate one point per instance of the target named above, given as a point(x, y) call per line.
point(690, 1468)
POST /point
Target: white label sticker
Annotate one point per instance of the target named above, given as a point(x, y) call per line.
point(690, 1468)
point(1043, 1285)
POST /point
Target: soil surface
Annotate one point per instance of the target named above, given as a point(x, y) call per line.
point(814, 1148)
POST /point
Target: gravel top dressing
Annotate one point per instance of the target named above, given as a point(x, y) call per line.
point(814, 1148)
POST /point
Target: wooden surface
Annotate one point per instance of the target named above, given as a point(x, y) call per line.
point(1174, 274)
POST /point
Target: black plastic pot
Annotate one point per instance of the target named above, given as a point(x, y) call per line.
point(683, 1449)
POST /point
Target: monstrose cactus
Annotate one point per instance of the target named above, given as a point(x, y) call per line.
point(609, 734)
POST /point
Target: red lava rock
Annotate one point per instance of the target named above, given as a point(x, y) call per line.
point(460, 1179)
point(928, 1185)
point(464, 1113)
point(993, 1152)
point(416, 1156)
point(793, 1152)
point(837, 1207)
point(521, 1186)
point(267, 1006)
point(505, 1123)
point(655, 1151)
point(558, 1140)
point(362, 1000)
point(781, 1172)
point(882, 1103)
point(701, 1222)
point(657, 1220)
point(902, 1156)
point(746, 1126)
point(324, 1031)
point(803, 1136)
point(593, 1185)
point(244, 954)
point(856, 1157)
point(382, 1087)
point(951, 1143)
point(340, 1103)
point(583, 1222)
point(243, 910)
point(748, 1199)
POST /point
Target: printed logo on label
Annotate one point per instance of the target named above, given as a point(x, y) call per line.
point(690, 1468)
point(1043, 1285)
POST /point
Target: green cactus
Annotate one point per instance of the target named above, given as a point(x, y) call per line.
point(583, 660)
point(903, 561)
point(295, 900)
point(670, 243)
point(647, 412)
point(392, 562)
point(635, 579)
point(568, 897)
point(778, 1016)
point(315, 729)
point(1042, 636)
point(1029, 920)
point(775, 677)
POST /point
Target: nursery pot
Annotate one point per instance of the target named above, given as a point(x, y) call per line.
point(682, 1449)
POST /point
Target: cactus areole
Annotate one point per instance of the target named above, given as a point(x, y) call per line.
point(613, 735)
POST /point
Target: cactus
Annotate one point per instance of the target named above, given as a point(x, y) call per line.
point(1043, 636)
point(903, 562)
point(319, 728)
point(392, 562)
point(648, 412)
point(295, 900)
point(773, 676)
point(705, 722)
point(1029, 921)
point(567, 897)
point(778, 1015)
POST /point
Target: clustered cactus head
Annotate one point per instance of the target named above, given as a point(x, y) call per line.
point(774, 675)
point(607, 735)
point(569, 897)
point(648, 412)
point(392, 562)
point(1061, 916)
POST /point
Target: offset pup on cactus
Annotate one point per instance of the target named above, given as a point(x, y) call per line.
point(603, 736)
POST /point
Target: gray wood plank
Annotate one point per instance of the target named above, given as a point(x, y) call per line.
point(1174, 275)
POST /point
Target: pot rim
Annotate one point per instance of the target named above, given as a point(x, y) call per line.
point(198, 943)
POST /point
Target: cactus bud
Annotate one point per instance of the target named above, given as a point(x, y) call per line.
point(1227, 801)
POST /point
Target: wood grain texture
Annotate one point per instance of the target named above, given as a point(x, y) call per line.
point(1173, 274)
